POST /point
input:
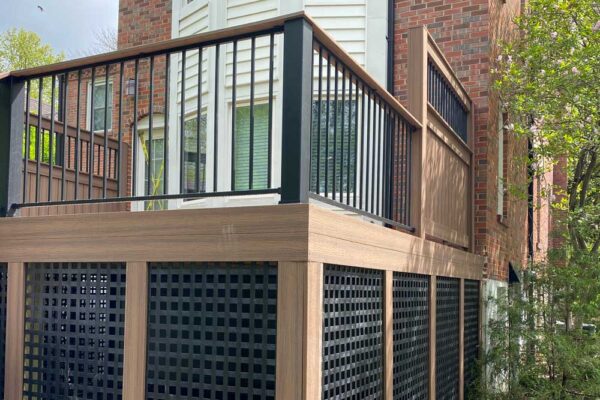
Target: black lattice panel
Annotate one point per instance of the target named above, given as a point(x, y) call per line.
point(74, 326)
point(411, 336)
point(212, 331)
point(352, 333)
point(471, 354)
point(3, 276)
point(447, 331)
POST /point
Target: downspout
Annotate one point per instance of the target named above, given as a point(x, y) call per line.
point(390, 47)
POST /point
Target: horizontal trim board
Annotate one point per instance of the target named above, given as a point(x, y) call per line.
point(294, 232)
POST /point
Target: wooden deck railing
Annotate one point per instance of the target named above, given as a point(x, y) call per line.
point(343, 138)
point(443, 165)
point(70, 172)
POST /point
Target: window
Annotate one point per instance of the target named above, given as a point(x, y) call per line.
point(345, 129)
point(502, 136)
point(260, 148)
point(194, 163)
point(100, 88)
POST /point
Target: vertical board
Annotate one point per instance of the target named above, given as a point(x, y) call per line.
point(411, 336)
point(74, 331)
point(211, 331)
point(352, 333)
point(447, 337)
point(3, 283)
point(471, 338)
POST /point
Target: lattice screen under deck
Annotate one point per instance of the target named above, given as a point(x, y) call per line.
point(212, 331)
point(447, 337)
point(352, 333)
point(411, 336)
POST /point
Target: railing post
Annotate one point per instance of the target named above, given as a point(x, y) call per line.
point(417, 105)
point(297, 111)
point(12, 106)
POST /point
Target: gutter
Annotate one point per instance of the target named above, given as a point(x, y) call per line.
point(390, 47)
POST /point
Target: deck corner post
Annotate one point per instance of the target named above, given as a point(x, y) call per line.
point(12, 106)
point(299, 330)
point(297, 110)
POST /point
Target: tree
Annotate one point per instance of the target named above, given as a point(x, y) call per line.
point(544, 342)
point(20, 49)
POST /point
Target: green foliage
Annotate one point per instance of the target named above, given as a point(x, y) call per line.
point(20, 49)
point(547, 78)
point(542, 345)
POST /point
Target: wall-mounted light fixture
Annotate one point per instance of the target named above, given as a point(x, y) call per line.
point(130, 87)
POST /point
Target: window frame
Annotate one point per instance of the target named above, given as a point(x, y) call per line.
point(88, 120)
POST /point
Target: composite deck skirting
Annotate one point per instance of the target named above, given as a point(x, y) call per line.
point(303, 243)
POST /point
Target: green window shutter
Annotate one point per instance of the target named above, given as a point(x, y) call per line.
point(260, 167)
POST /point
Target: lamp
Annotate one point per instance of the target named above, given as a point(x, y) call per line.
point(130, 87)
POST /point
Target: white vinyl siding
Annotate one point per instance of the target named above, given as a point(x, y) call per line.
point(345, 20)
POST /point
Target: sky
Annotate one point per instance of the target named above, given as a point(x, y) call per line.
point(66, 25)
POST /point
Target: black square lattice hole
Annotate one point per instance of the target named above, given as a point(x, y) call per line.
point(471, 336)
point(74, 323)
point(447, 331)
point(352, 333)
point(212, 331)
point(3, 282)
point(411, 336)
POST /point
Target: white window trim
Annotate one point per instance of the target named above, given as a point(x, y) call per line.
point(88, 108)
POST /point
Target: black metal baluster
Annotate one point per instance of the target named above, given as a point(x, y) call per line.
point(198, 121)
point(134, 141)
point(166, 126)
point(380, 142)
point(355, 144)
point(104, 159)
point(342, 120)
point(150, 183)
point(327, 125)
point(319, 103)
point(335, 122)
point(270, 133)
point(27, 142)
point(216, 120)
point(120, 133)
point(390, 165)
point(350, 136)
point(252, 79)
point(51, 137)
point(368, 189)
point(182, 127)
point(65, 96)
point(91, 142)
point(408, 133)
point(362, 146)
point(233, 112)
point(78, 136)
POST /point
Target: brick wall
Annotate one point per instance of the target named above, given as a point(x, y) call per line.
point(140, 22)
point(466, 31)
